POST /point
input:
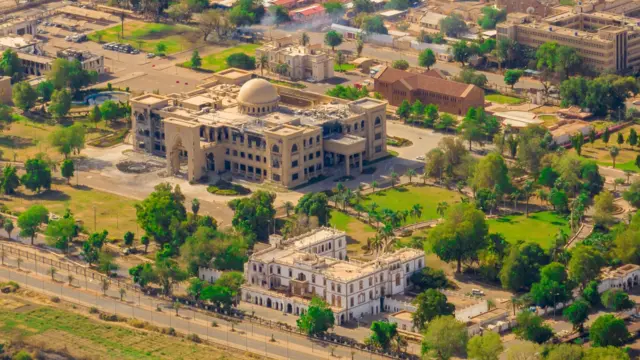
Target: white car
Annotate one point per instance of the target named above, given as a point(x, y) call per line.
point(420, 158)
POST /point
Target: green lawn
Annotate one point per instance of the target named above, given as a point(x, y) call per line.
point(218, 61)
point(404, 197)
point(83, 337)
point(145, 36)
point(358, 231)
point(343, 67)
point(503, 99)
point(539, 227)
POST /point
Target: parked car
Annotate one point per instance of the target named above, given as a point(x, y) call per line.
point(477, 292)
point(420, 157)
point(151, 55)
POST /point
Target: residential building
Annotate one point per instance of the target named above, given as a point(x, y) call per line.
point(604, 40)
point(309, 14)
point(288, 274)
point(303, 62)
point(450, 96)
point(5, 90)
point(259, 131)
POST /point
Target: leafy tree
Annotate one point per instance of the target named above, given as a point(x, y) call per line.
point(95, 115)
point(616, 300)
point(491, 171)
point(553, 287)
point(565, 352)
point(374, 24)
point(430, 115)
point(67, 169)
point(242, 61)
point(453, 25)
point(429, 278)
point(24, 96)
point(491, 16)
point(60, 103)
point(531, 327)
point(315, 204)
point(427, 58)
point(382, 334)
point(585, 264)
point(31, 219)
point(333, 8)
point(10, 180)
point(280, 13)
point(430, 304)
point(318, 318)
point(37, 176)
point(220, 296)
point(511, 77)
point(608, 330)
point(161, 212)
point(92, 246)
point(166, 273)
point(348, 92)
point(400, 64)
point(404, 110)
point(445, 336)
point(70, 74)
point(215, 20)
point(228, 251)
point(605, 353)
point(196, 60)
point(519, 270)
point(445, 122)
point(333, 38)
point(397, 4)
point(471, 76)
point(620, 139)
point(548, 177)
point(577, 313)
point(128, 238)
point(254, 215)
point(632, 194)
point(461, 234)
point(461, 51)
point(247, 12)
point(61, 232)
point(8, 226)
point(487, 346)
point(68, 139)
point(45, 90)
point(603, 208)
point(109, 110)
point(632, 139)
point(10, 65)
point(605, 135)
point(363, 6)
point(590, 293)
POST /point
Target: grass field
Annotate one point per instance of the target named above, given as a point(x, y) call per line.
point(343, 67)
point(24, 138)
point(356, 229)
point(503, 99)
point(599, 151)
point(114, 213)
point(82, 337)
point(548, 119)
point(539, 227)
point(404, 197)
point(218, 61)
point(145, 36)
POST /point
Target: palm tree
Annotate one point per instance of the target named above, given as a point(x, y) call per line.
point(416, 211)
point(560, 240)
point(442, 208)
point(105, 285)
point(288, 207)
point(52, 271)
point(542, 194)
point(340, 187)
point(394, 178)
point(526, 189)
point(304, 39)
point(614, 151)
point(616, 182)
point(514, 196)
point(195, 206)
point(122, 292)
point(386, 233)
point(263, 62)
point(425, 176)
point(375, 243)
point(374, 185)
point(411, 173)
point(628, 173)
point(346, 198)
point(335, 199)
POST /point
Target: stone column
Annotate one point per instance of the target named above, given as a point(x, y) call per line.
point(361, 161)
point(347, 164)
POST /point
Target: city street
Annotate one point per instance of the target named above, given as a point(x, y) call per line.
point(243, 336)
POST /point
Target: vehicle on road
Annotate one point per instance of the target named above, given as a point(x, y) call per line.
point(151, 55)
point(420, 157)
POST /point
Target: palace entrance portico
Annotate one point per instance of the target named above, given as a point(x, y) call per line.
point(349, 149)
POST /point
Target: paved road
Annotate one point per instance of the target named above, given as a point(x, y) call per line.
point(246, 336)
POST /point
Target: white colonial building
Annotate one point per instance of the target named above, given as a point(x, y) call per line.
point(624, 277)
point(288, 274)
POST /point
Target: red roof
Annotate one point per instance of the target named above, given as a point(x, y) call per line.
point(284, 2)
point(311, 10)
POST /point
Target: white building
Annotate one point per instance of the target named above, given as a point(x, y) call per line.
point(303, 62)
point(290, 272)
point(624, 277)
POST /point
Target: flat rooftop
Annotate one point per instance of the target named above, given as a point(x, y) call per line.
point(150, 99)
point(233, 73)
point(402, 315)
point(15, 42)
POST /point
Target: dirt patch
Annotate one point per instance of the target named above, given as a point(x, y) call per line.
point(137, 167)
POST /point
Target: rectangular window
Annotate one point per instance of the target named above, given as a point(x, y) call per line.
point(257, 157)
point(294, 176)
point(294, 163)
point(379, 148)
point(290, 273)
point(378, 136)
point(242, 154)
point(250, 156)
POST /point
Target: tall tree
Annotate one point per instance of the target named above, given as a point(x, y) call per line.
point(254, 215)
point(333, 39)
point(608, 330)
point(37, 175)
point(24, 96)
point(30, 220)
point(487, 346)
point(445, 336)
point(429, 305)
point(161, 212)
point(318, 318)
point(427, 58)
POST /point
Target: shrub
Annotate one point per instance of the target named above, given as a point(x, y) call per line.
point(169, 331)
point(55, 299)
point(93, 310)
point(194, 337)
point(226, 188)
point(108, 317)
point(241, 61)
point(138, 324)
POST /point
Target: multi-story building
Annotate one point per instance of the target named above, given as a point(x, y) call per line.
point(18, 26)
point(606, 39)
point(303, 62)
point(288, 274)
point(259, 131)
point(41, 64)
point(450, 96)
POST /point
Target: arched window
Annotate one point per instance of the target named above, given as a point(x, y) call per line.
point(310, 141)
point(294, 148)
point(318, 139)
point(263, 109)
point(275, 148)
point(362, 124)
point(378, 121)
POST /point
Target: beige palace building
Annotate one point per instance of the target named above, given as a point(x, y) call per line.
point(258, 130)
point(604, 40)
point(303, 62)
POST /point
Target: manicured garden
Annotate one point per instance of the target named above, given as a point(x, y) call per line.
point(343, 67)
point(218, 61)
point(228, 189)
point(600, 152)
point(503, 99)
point(403, 198)
point(145, 36)
point(540, 227)
point(356, 229)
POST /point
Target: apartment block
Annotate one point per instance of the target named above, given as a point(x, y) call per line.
point(303, 62)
